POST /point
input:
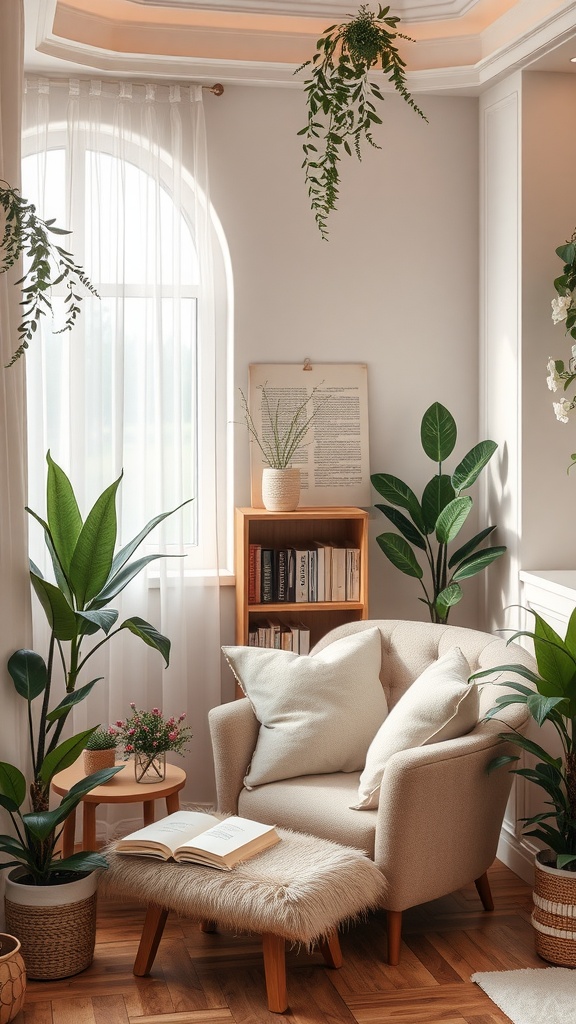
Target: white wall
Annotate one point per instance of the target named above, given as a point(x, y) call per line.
point(394, 287)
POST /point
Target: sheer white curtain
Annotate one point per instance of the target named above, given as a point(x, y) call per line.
point(139, 384)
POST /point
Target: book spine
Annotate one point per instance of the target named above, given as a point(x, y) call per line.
point(267, 595)
point(338, 574)
point(253, 551)
point(253, 638)
point(321, 574)
point(352, 574)
point(281, 575)
point(312, 575)
point(301, 584)
point(291, 587)
point(303, 639)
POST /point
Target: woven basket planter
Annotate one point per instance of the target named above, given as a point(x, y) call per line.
point(280, 489)
point(56, 924)
point(96, 759)
point(554, 914)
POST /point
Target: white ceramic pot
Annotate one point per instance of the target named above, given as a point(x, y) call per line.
point(56, 924)
point(554, 914)
point(280, 489)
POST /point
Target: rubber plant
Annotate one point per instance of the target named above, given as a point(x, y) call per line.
point(437, 519)
point(340, 98)
point(46, 265)
point(88, 575)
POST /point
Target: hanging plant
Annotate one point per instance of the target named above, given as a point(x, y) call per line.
point(47, 264)
point(340, 98)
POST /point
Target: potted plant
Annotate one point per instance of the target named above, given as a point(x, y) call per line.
point(437, 519)
point(551, 698)
point(340, 98)
point(100, 750)
point(147, 737)
point(283, 431)
point(88, 575)
point(48, 264)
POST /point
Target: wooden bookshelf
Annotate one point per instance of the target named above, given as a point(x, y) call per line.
point(344, 526)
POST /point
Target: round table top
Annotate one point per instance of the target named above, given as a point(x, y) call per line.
point(122, 787)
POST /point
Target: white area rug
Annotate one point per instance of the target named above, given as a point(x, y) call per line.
point(533, 996)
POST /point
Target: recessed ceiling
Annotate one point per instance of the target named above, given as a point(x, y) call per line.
point(458, 45)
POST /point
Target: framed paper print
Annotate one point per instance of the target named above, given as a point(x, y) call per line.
point(333, 458)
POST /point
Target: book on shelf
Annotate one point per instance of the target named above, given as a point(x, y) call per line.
point(281, 574)
point(301, 575)
point(338, 589)
point(267, 581)
point(325, 558)
point(254, 556)
point(352, 574)
point(320, 551)
point(198, 838)
point(303, 639)
point(312, 575)
point(252, 638)
point(291, 586)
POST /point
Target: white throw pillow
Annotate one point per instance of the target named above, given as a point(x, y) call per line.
point(439, 705)
point(318, 712)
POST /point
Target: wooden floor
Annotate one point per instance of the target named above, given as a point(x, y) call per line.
point(201, 978)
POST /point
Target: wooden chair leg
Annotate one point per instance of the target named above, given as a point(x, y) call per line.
point(208, 926)
point(150, 940)
point(330, 949)
point(394, 930)
point(273, 948)
point(483, 886)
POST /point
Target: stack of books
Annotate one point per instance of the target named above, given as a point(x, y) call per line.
point(284, 636)
point(324, 572)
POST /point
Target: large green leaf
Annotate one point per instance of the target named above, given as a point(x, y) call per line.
point(28, 672)
point(467, 471)
point(476, 563)
point(12, 783)
point(398, 493)
point(554, 661)
point(82, 861)
point(532, 748)
point(60, 615)
point(540, 707)
point(64, 519)
point(117, 583)
point(438, 432)
point(59, 573)
point(448, 597)
point(68, 702)
point(407, 529)
point(128, 550)
point(149, 635)
point(400, 554)
point(94, 551)
point(570, 638)
point(470, 546)
point(64, 755)
point(452, 519)
point(437, 494)
point(520, 670)
point(95, 620)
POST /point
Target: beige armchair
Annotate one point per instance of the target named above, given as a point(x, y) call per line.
point(439, 816)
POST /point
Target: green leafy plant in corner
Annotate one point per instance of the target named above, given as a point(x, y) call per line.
point(46, 265)
point(553, 701)
point(340, 98)
point(437, 519)
point(88, 575)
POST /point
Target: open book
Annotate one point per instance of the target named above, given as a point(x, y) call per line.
point(201, 839)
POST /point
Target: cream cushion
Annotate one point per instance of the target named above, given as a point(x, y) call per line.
point(317, 713)
point(439, 705)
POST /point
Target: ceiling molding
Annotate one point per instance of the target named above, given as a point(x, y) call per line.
point(408, 10)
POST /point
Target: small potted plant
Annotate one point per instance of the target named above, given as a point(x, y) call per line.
point(100, 750)
point(284, 428)
point(48, 897)
point(551, 697)
point(148, 737)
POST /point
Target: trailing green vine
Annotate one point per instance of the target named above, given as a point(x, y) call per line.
point(340, 98)
point(47, 265)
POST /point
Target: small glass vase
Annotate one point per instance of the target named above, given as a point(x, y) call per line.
point(150, 768)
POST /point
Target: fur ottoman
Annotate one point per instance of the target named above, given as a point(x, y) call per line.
point(299, 890)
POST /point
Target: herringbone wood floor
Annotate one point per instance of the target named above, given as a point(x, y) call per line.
point(201, 978)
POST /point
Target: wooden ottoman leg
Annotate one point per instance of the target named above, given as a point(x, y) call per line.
point(330, 949)
point(483, 887)
point(394, 929)
point(150, 940)
point(208, 926)
point(273, 948)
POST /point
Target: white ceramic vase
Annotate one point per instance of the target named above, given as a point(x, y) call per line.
point(280, 489)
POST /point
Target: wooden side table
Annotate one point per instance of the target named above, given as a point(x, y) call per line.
point(121, 789)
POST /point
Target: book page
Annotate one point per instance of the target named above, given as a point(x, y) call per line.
point(333, 460)
point(172, 830)
point(227, 835)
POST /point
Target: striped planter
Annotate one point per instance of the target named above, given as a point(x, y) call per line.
point(554, 914)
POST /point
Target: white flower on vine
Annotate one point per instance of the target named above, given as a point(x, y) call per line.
point(553, 381)
point(560, 307)
point(563, 409)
